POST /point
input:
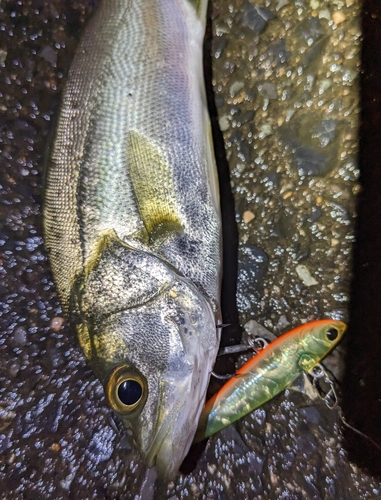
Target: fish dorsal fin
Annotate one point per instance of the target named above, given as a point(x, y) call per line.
point(153, 185)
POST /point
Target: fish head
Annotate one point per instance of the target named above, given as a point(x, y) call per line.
point(151, 338)
point(317, 339)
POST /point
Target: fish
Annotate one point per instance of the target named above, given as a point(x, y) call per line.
point(269, 372)
point(132, 218)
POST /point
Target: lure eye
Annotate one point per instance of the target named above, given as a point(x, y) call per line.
point(332, 334)
point(126, 390)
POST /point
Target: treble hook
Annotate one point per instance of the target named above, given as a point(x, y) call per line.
point(331, 399)
point(222, 325)
point(257, 345)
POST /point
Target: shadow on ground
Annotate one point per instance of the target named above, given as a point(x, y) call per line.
point(361, 386)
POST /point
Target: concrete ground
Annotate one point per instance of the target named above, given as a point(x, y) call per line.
point(286, 94)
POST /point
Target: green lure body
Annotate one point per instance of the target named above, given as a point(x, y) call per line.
point(268, 373)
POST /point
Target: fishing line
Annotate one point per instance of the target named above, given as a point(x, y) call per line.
point(340, 412)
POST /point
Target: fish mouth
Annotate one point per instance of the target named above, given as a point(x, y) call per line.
point(172, 441)
point(167, 453)
point(182, 397)
point(155, 450)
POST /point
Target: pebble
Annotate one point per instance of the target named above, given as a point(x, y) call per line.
point(248, 216)
point(236, 87)
point(254, 328)
point(4, 443)
point(282, 322)
point(325, 14)
point(338, 17)
point(255, 17)
point(19, 335)
point(224, 123)
point(56, 323)
point(305, 275)
point(3, 55)
point(49, 54)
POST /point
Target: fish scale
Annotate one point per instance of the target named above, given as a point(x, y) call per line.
point(162, 101)
point(132, 195)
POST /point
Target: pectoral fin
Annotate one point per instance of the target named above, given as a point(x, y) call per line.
point(152, 181)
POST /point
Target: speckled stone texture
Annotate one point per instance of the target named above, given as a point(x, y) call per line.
point(286, 92)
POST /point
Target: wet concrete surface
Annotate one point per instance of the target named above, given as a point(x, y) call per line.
point(286, 100)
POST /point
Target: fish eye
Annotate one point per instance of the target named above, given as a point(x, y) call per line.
point(126, 390)
point(130, 391)
point(332, 334)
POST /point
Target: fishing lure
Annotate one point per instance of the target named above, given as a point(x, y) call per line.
point(268, 373)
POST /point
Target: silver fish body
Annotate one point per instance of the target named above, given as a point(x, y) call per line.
point(132, 221)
